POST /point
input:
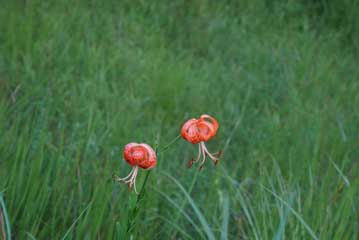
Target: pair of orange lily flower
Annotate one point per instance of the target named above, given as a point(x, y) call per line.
point(195, 131)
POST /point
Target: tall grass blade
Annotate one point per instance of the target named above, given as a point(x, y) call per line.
point(225, 218)
point(32, 237)
point(248, 213)
point(200, 216)
point(345, 179)
point(180, 211)
point(76, 220)
point(306, 226)
point(5, 216)
point(283, 219)
point(175, 225)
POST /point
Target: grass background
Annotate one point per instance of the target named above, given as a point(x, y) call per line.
point(80, 79)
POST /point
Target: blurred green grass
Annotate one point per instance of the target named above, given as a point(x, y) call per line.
point(79, 79)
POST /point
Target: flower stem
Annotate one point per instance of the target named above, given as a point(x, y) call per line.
point(142, 191)
point(169, 144)
point(133, 212)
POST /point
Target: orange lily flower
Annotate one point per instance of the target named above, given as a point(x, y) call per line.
point(199, 131)
point(138, 155)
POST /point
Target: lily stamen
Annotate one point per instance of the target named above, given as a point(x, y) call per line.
point(200, 153)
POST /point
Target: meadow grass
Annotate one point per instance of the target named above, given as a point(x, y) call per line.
point(80, 79)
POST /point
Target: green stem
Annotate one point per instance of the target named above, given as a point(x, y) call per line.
point(169, 144)
point(142, 191)
point(132, 214)
point(184, 202)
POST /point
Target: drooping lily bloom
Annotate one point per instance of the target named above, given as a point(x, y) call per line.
point(199, 131)
point(138, 155)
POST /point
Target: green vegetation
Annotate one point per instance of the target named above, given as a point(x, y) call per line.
point(80, 79)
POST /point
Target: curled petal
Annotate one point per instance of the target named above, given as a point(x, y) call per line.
point(190, 131)
point(187, 124)
point(150, 160)
point(200, 130)
point(206, 130)
point(128, 152)
point(141, 155)
point(212, 120)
